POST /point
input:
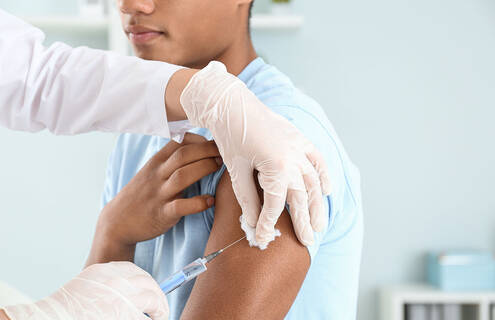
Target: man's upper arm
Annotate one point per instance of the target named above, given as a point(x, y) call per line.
point(245, 282)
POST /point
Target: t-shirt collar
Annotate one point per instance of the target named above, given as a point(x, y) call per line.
point(251, 70)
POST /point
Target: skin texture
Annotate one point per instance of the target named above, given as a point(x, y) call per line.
point(244, 282)
point(191, 33)
point(152, 202)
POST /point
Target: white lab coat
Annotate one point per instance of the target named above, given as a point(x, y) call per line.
point(74, 90)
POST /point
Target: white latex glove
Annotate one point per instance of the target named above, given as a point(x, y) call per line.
point(115, 290)
point(250, 136)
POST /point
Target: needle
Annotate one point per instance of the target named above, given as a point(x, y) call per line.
point(230, 245)
point(213, 255)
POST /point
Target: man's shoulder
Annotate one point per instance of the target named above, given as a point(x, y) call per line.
point(278, 92)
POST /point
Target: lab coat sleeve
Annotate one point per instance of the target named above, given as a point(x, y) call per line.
point(75, 90)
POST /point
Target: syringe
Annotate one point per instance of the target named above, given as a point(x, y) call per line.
point(191, 271)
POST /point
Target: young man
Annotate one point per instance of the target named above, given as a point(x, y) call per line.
point(317, 281)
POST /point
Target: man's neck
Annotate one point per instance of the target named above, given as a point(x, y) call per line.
point(238, 55)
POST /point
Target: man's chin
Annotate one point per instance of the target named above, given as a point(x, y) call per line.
point(144, 54)
point(149, 54)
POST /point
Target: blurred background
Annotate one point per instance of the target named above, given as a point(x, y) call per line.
point(409, 86)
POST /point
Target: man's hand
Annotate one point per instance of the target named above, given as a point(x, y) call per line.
point(252, 137)
point(117, 290)
point(152, 202)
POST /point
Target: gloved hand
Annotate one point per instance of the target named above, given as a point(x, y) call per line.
point(116, 290)
point(251, 137)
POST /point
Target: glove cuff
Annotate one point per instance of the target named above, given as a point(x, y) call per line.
point(26, 312)
point(202, 97)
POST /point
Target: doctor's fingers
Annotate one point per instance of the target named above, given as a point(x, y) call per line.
point(317, 214)
point(297, 200)
point(187, 154)
point(185, 176)
point(150, 299)
point(149, 307)
point(246, 191)
point(318, 162)
point(125, 279)
point(274, 195)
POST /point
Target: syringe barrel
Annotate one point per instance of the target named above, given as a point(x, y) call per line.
point(194, 269)
point(187, 273)
point(173, 282)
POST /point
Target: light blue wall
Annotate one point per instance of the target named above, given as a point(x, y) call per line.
point(49, 188)
point(410, 87)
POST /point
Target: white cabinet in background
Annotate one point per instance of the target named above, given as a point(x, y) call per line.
point(424, 302)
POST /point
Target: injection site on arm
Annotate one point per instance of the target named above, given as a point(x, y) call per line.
point(244, 281)
point(192, 270)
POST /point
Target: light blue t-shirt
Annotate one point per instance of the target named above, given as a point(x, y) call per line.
point(330, 288)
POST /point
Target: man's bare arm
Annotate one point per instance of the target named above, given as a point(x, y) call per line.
point(245, 282)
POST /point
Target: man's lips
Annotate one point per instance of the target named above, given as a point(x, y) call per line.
point(144, 37)
point(140, 35)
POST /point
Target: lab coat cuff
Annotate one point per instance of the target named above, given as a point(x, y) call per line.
point(155, 97)
point(178, 129)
